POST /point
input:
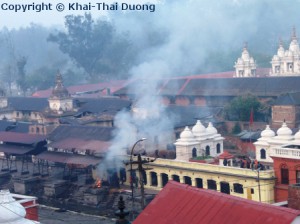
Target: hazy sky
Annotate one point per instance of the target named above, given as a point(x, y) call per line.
point(12, 19)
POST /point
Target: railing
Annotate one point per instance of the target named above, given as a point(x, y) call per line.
point(285, 153)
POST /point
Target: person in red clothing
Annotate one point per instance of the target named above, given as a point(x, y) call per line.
point(255, 164)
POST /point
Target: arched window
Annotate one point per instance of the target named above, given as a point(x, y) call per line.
point(284, 174)
point(207, 150)
point(218, 148)
point(37, 130)
point(238, 188)
point(263, 154)
point(194, 152)
point(298, 174)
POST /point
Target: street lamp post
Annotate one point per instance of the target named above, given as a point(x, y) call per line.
point(131, 177)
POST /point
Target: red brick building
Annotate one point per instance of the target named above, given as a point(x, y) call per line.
point(287, 169)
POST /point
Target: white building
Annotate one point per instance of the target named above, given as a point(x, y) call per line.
point(199, 141)
point(269, 141)
point(287, 62)
point(245, 66)
point(11, 211)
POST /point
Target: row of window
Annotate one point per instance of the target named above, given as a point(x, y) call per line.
point(284, 172)
point(207, 150)
point(211, 184)
point(26, 114)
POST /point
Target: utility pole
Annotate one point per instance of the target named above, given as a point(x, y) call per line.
point(258, 180)
point(140, 169)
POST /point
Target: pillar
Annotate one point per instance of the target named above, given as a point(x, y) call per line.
point(193, 181)
point(149, 179)
point(159, 181)
point(181, 178)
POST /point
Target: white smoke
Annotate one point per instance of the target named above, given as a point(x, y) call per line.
point(182, 38)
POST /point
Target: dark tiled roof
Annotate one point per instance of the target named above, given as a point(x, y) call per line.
point(20, 127)
point(103, 105)
point(28, 103)
point(81, 132)
point(260, 86)
point(271, 86)
point(180, 203)
point(288, 99)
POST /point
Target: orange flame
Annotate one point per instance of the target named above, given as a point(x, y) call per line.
point(98, 183)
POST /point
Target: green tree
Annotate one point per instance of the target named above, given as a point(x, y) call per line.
point(21, 80)
point(240, 108)
point(236, 128)
point(94, 46)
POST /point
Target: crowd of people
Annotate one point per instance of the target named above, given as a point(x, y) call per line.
point(246, 162)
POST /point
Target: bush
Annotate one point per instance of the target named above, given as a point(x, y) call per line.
point(236, 128)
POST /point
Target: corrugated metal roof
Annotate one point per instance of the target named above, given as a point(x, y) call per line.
point(288, 99)
point(179, 204)
point(80, 144)
point(103, 105)
point(22, 138)
point(81, 132)
point(14, 149)
point(112, 85)
point(68, 158)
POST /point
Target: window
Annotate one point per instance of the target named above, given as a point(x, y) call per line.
point(263, 154)
point(218, 148)
point(194, 152)
point(211, 184)
point(207, 150)
point(18, 114)
point(252, 191)
point(238, 188)
point(284, 175)
point(290, 67)
point(298, 176)
point(277, 69)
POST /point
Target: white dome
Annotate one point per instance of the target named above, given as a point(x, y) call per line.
point(297, 135)
point(211, 129)
point(186, 134)
point(275, 58)
point(284, 130)
point(11, 211)
point(267, 133)
point(198, 128)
